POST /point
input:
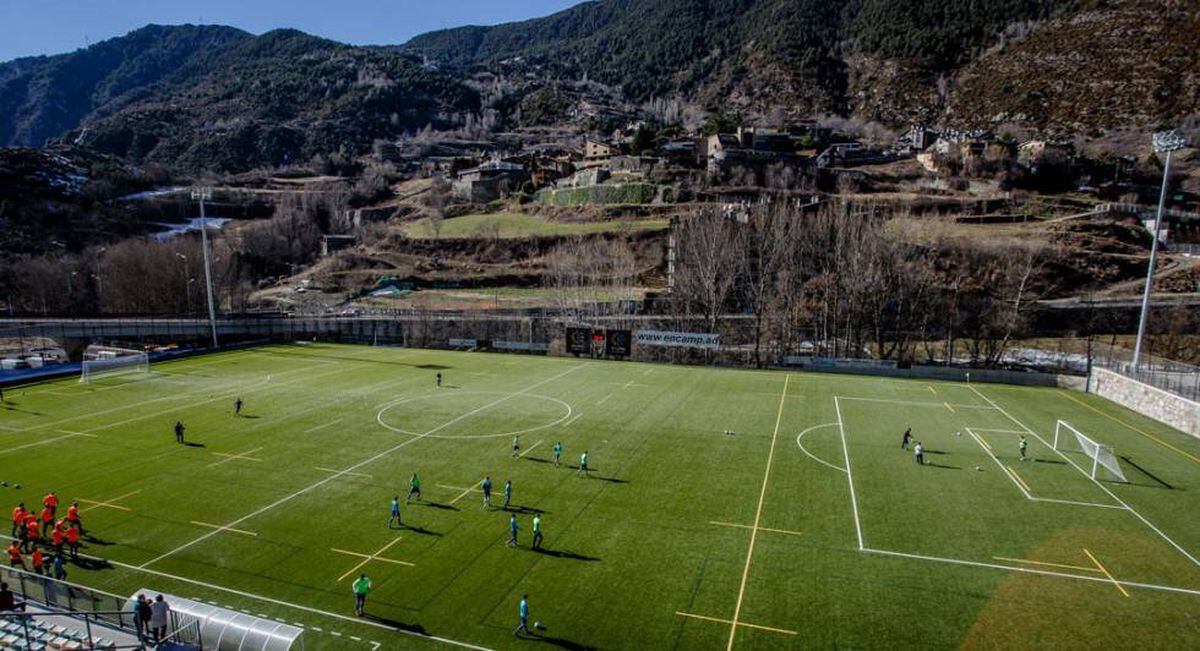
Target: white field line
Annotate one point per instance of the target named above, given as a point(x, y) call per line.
point(996, 431)
point(1030, 570)
point(348, 474)
point(849, 475)
point(142, 403)
point(530, 449)
point(1022, 486)
point(465, 493)
point(762, 496)
point(931, 390)
point(814, 457)
point(108, 503)
point(369, 558)
point(229, 529)
point(55, 439)
point(577, 417)
point(321, 427)
point(223, 396)
point(605, 399)
point(988, 449)
point(746, 526)
point(394, 448)
point(718, 620)
point(950, 407)
point(917, 403)
point(1046, 564)
point(287, 604)
point(244, 456)
point(1094, 481)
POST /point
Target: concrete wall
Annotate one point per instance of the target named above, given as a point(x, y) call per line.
point(953, 374)
point(1160, 405)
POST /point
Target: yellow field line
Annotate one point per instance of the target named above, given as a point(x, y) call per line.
point(746, 526)
point(1105, 571)
point(217, 526)
point(1069, 567)
point(762, 496)
point(369, 558)
point(1018, 478)
point(109, 503)
point(731, 622)
point(950, 408)
point(1139, 431)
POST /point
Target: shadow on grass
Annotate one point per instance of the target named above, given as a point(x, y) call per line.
point(89, 563)
point(942, 466)
point(1055, 462)
point(418, 530)
point(439, 505)
point(99, 542)
point(559, 642)
point(522, 510)
point(191, 444)
point(569, 555)
point(248, 417)
point(432, 367)
point(1158, 483)
point(537, 460)
point(387, 621)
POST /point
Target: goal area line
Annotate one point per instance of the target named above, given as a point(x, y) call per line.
point(1031, 570)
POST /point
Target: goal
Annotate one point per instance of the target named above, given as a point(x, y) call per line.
point(135, 363)
point(1069, 439)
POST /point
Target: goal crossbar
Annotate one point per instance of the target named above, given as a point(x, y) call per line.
point(1069, 439)
point(135, 363)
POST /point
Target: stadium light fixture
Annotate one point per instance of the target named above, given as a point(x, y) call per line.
point(201, 195)
point(1164, 142)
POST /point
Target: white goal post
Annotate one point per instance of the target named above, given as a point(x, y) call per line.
point(135, 363)
point(1069, 439)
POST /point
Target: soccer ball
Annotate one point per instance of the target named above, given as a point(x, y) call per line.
point(17, 486)
point(978, 468)
point(538, 625)
point(4, 483)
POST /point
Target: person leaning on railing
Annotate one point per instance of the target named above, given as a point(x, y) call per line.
point(8, 600)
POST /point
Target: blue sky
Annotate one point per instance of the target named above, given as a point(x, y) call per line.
point(29, 27)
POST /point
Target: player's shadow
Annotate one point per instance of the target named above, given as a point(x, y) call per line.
point(943, 466)
point(611, 480)
point(1051, 461)
point(249, 417)
point(434, 367)
point(418, 530)
point(537, 460)
point(439, 505)
point(86, 563)
point(515, 508)
point(192, 444)
point(387, 621)
point(569, 555)
point(556, 641)
point(100, 542)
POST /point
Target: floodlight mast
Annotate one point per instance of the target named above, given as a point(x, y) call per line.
point(201, 195)
point(1164, 141)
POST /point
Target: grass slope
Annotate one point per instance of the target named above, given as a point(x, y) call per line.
point(331, 433)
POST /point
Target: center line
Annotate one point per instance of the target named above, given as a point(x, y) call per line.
point(762, 496)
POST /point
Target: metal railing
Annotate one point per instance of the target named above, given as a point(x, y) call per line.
point(1179, 378)
point(92, 612)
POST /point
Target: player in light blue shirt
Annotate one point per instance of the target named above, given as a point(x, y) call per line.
point(523, 611)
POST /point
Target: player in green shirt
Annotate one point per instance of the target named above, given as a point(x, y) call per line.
point(537, 531)
point(558, 454)
point(414, 488)
point(1023, 445)
point(583, 463)
point(361, 588)
point(517, 445)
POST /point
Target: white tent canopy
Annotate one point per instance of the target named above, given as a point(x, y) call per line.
point(224, 629)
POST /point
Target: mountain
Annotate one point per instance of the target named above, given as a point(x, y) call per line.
point(1053, 65)
point(218, 98)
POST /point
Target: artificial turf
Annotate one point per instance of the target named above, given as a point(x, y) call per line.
point(680, 529)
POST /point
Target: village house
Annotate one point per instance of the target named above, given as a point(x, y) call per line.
point(489, 181)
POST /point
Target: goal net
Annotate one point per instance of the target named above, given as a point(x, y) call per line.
point(1069, 439)
point(104, 366)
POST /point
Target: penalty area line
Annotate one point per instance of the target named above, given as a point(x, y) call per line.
point(230, 529)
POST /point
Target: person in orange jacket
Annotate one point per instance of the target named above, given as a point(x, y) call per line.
point(73, 541)
point(18, 519)
point(57, 538)
point(14, 556)
point(73, 516)
point(47, 521)
point(51, 502)
point(39, 563)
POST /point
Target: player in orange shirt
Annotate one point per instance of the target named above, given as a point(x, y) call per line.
point(33, 531)
point(57, 537)
point(14, 556)
point(73, 541)
point(39, 563)
point(47, 521)
point(51, 502)
point(73, 516)
point(18, 519)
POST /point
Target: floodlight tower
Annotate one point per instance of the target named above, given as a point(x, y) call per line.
point(201, 195)
point(1164, 141)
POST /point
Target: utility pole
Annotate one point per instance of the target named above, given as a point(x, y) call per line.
point(1164, 141)
point(201, 195)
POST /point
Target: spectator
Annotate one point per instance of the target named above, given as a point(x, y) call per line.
point(160, 613)
point(8, 600)
point(141, 616)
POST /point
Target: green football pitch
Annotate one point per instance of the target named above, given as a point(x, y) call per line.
point(724, 509)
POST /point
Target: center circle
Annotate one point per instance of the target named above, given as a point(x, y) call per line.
point(433, 415)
